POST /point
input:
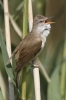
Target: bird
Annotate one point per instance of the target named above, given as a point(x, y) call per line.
point(33, 43)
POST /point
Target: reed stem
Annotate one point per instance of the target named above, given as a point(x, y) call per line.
point(25, 20)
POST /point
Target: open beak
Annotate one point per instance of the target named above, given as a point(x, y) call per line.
point(49, 22)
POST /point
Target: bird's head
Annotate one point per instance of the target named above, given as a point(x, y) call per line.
point(42, 24)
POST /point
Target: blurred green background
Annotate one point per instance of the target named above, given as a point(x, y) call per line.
point(53, 56)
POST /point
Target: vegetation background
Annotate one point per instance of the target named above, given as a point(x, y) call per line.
point(53, 57)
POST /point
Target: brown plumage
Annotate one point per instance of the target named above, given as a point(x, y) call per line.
point(27, 50)
point(30, 46)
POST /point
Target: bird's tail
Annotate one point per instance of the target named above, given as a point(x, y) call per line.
point(18, 78)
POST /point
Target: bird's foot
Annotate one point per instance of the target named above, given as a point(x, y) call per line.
point(34, 65)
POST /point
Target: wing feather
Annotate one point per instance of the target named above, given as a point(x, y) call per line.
point(30, 46)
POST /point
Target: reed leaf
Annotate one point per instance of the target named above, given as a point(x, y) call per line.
point(8, 67)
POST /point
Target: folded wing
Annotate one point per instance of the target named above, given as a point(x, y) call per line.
point(28, 49)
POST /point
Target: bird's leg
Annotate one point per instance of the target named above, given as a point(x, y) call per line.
point(34, 63)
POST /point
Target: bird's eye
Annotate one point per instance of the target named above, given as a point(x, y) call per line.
point(46, 21)
point(41, 21)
